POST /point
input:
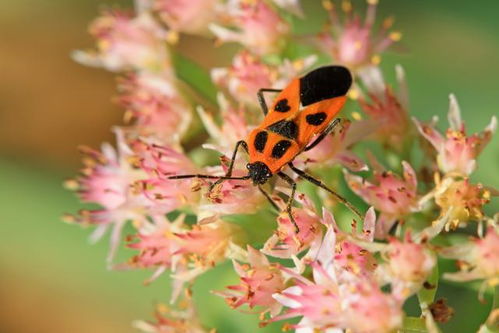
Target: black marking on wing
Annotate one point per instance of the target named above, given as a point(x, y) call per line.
point(260, 141)
point(282, 106)
point(280, 148)
point(324, 83)
point(286, 128)
point(316, 119)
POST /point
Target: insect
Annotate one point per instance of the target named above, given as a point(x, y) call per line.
point(302, 115)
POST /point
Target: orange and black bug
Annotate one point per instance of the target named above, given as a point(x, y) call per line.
point(303, 111)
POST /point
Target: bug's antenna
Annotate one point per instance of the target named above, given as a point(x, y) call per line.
point(208, 177)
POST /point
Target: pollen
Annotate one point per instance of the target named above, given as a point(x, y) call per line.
point(396, 36)
point(376, 59)
point(328, 5)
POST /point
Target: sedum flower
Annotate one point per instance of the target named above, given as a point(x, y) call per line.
point(245, 77)
point(155, 107)
point(461, 201)
point(388, 110)
point(187, 16)
point(292, 6)
point(259, 280)
point(248, 74)
point(106, 180)
point(335, 147)
point(286, 242)
point(456, 152)
point(186, 251)
point(478, 259)
point(182, 319)
point(336, 299)
point(259, 27)
point(234, 126)
point(125, 42)
point(394, 196)
point(159, 162)
point(352, 42)
point(408, 266)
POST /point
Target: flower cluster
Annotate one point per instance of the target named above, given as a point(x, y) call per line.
point(335, 273)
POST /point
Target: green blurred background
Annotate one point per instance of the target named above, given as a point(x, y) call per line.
point(51, 279)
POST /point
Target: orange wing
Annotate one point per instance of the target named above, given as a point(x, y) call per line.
point(315, 118)
point(286, 105)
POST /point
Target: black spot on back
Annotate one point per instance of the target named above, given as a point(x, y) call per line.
point(280, 148)
point(260, 141)
point(285, 128)
point(316, 119)
point(324, 83)
point(282, 106)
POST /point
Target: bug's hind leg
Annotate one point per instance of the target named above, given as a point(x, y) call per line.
point(317, 182)
point(228, 175)
point(261, 99)
point(291, 198)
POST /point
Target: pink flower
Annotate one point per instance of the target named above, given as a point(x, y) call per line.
point(248, 74)
point(245, 77)
point(188, 16)
point(456, 152)
point(352, 42)
point(183, 319)
point(408, 266)
point(393, 196)
point(154, 106)
point(259, 27)
point(259, 280)
point(478, 259)
point(368, 309)
point(286, 242)
point(232, 196)
point(409, 261)
point(335, 147)
point(338, 299)
point(386, 108)
point(234, 127)
point(186, 251)
point(159, 162)
point(106, 180)
point(125, 42)
point(292, 6)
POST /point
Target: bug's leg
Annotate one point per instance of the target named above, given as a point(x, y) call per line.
point(231, 164)
point(317, 182)
point(261, 99)
point(328, 130)
point(269, 198)
point(291, 198)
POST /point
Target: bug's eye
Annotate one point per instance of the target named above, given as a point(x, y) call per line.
point(247, 166)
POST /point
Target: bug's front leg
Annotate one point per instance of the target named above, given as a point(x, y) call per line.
point(291, 198)
point(228, 175)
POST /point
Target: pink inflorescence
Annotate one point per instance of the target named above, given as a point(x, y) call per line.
point(310, 269)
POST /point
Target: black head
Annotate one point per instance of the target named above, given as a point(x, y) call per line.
point(259, 172)
point(324, 83)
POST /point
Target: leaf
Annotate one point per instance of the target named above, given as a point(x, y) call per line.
point(195, 76)
point(414, 325)
point(426, 295)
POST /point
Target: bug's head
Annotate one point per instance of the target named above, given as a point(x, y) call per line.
point(259, 172)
